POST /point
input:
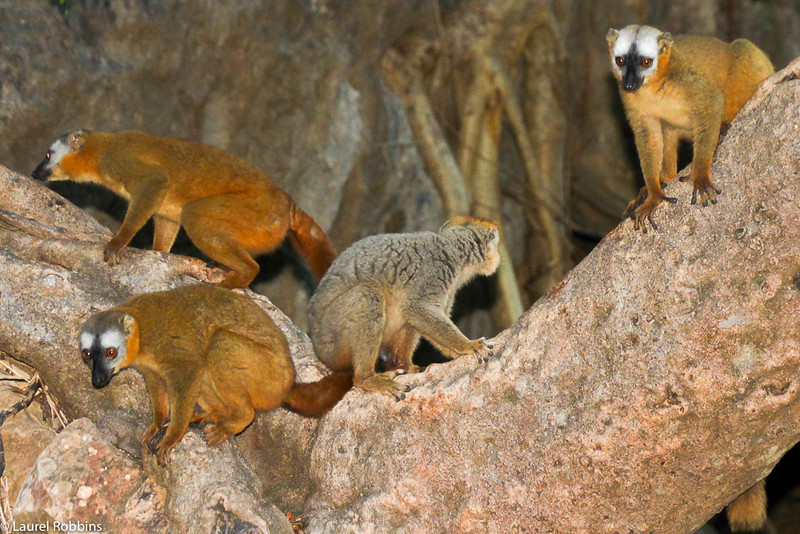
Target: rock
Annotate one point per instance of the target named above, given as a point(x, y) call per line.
point(214, 490)
point(24, 437)
point(646, 391)
point(80, 477)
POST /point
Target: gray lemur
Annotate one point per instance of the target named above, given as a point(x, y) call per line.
point(385, 291)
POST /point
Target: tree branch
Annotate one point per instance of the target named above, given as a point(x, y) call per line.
point(646, 391)
point(431, 143)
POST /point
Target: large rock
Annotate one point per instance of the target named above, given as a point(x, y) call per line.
point(24, 437)
point(647, 390)
point(80, 477)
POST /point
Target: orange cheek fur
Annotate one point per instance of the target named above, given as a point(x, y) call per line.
point(75, 166)
point(131, 350)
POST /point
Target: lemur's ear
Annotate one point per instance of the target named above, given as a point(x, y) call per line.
point(76, 139)
point(664, 42)
point(128, 324)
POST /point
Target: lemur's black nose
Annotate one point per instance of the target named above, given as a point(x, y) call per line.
point(631, 83)
point(41, 172)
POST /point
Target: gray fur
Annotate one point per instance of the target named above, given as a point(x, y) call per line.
point(386, 290)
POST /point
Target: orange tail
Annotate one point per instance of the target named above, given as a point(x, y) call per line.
point(314, 399)
point(310, 241)
point(749, 510)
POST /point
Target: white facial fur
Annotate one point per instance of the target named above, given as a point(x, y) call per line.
point(58, 150)
point(646, 40)
point(109, 339)
point(624, 41)
point(494, 255)
point(86, 340)
point(112, 338)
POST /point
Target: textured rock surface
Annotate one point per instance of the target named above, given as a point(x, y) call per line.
point(24, 437)
point(652, 386)
point(81, 477)
point(214, 489)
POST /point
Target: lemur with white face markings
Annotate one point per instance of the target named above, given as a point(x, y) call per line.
point(202, 347)
point(686, 87)
point(231, 209)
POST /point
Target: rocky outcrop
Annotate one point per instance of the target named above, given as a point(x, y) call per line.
point(24, 436)
point(80, 477)
point(653, 385)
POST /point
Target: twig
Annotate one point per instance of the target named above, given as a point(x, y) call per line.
point(34, 386)
point(6, 516)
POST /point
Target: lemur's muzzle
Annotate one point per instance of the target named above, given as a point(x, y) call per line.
point(630, 81)
point(42, 172)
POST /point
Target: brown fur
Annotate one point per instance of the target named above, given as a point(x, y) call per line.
point(230, 208)
point(749, 510)
point(215, 349)
point(700, 84)
point(386, 291)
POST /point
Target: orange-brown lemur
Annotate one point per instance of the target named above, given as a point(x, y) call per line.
point(748, 512)
point(385, 291)
point(208, 347)
point(687, 87)
point(230, 209)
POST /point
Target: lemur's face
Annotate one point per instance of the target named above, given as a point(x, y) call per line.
point(635, 52)
point(50, 167)
point(105, 345)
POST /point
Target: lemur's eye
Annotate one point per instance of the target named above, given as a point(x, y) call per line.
point(620, 61)
point(646, 62)
point(86, 354)
point(111, 353)
point(47, 156)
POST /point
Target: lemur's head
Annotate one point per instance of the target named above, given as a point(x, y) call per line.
point(51, 168)
point(109, 341)
point(481, 242)
point(636, 52)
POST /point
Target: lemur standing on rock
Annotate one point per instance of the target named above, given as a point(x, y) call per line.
point(230, 208)
point(207, 347)
point(385, 291)
point(688, 87)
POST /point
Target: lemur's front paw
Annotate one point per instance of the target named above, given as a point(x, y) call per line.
point(644, 213)
point(482, 350)
point(708, 192)
point(147, 438)
point(635, 203)
point(162, 453)
point(112, 253)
